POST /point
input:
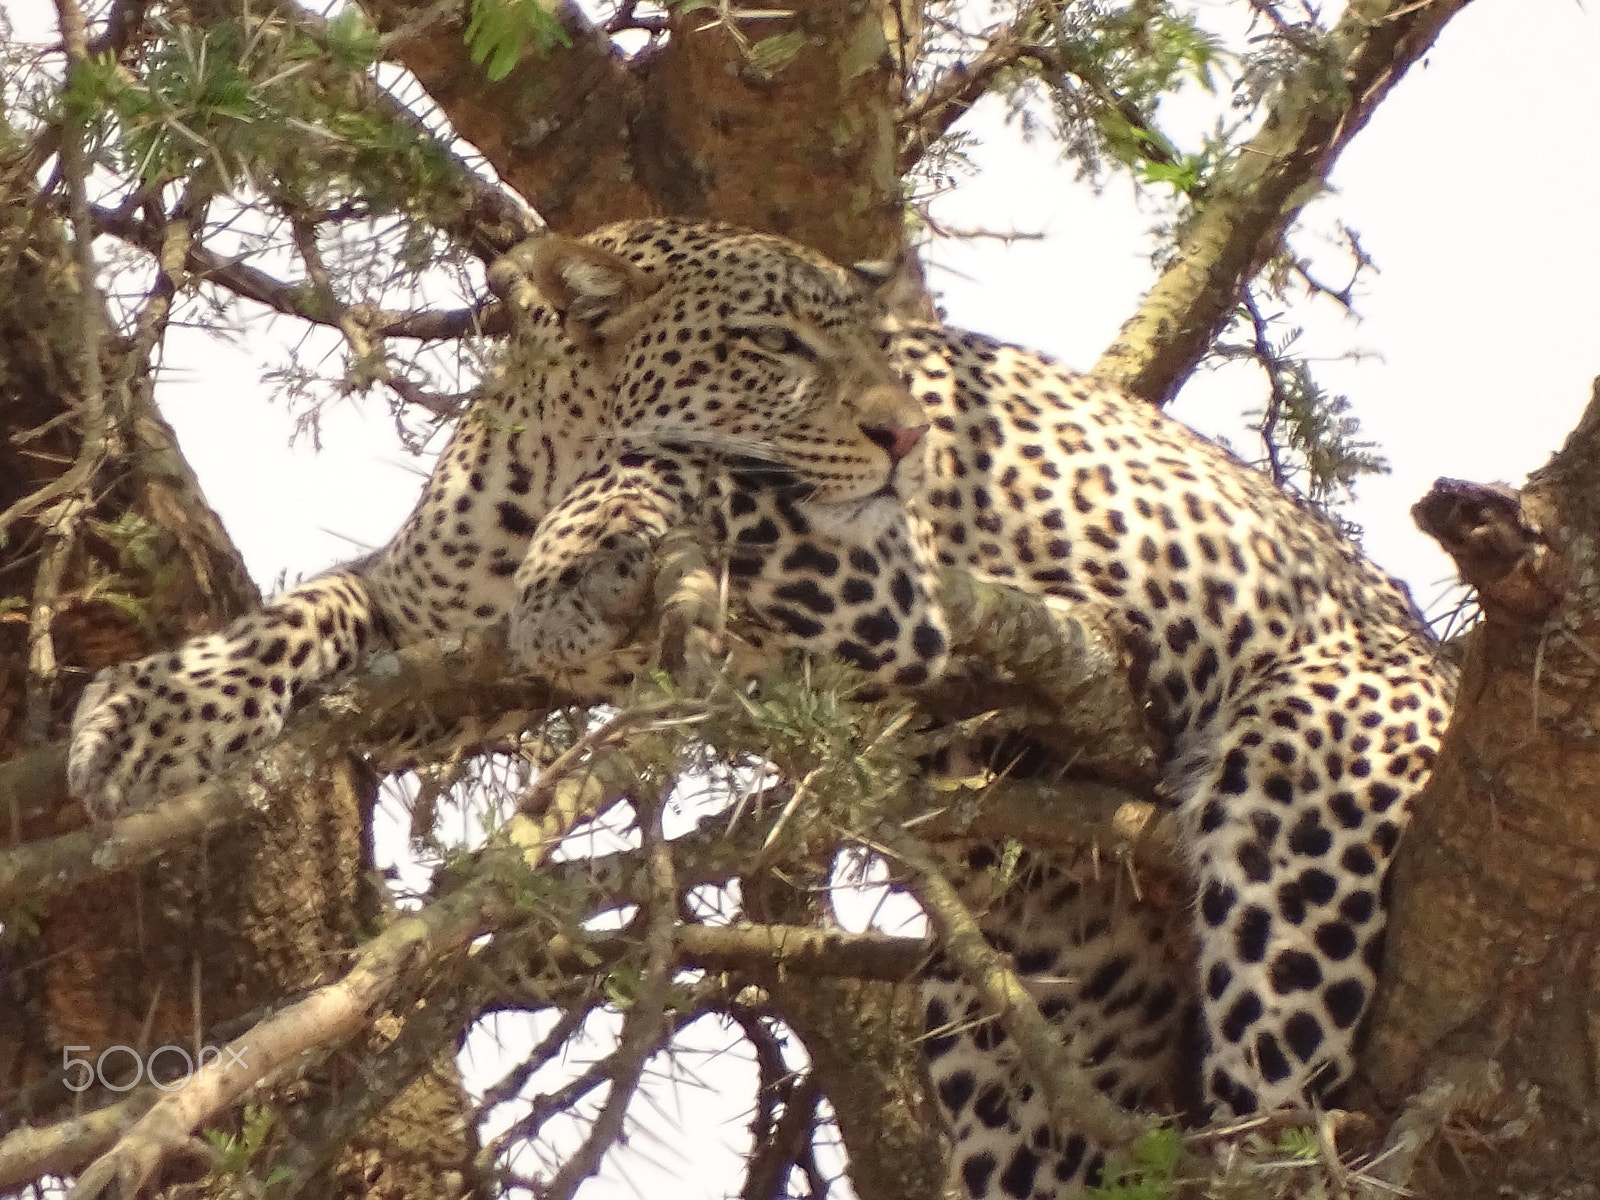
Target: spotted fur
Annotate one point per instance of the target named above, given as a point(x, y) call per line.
point(663, 373)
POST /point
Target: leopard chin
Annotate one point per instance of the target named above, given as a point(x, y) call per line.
point(856, 520)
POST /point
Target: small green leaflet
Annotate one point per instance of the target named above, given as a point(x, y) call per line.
point(500, 30)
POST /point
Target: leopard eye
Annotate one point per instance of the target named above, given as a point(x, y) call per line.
point(776, 339)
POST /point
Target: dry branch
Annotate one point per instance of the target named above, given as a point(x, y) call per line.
point(293, 298)
point(932, 113)
point(60, 1149)
point(1062, 660)
point(1498, 549)
point(328, 1017)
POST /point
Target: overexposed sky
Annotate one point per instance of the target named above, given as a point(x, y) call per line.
point(1474, 188)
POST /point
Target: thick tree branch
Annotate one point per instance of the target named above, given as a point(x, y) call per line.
point(1064, 660)
point(1254, 198)
point(557, 129)
point(1492, 941)
point(1496, 548)
point(329, 1016)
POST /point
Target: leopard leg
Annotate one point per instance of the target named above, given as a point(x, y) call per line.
point(584, 586)
point(1105, 970)
point(168, 722)
point(1292, 828)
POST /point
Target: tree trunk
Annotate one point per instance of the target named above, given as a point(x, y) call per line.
point(1491, 988)
point(169, 955)
point(785, 125)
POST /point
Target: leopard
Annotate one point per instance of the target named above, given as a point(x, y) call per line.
point(661, 373)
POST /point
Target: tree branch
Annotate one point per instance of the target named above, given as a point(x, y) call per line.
point(930, 114)
point(557, 128)
point(1254, 198)
point(300, 299)
point(1074, 1099)
point(329, 1016)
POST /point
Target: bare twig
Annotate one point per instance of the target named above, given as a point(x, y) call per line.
point(642, 1026)
point(60, 524)
point(293, 298)
point(510, 1085)
point(1464, 1086)
point(63, 501)
point(1278, 402)
point(929, 116)
point(776, 1156)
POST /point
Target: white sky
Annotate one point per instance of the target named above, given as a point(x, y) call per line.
point(1474, 188)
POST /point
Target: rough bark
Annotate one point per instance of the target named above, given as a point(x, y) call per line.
point(1493, 965)
point(167, 954)
point(700, 128)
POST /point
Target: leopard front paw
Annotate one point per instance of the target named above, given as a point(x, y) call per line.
point(159, 726)
point(570, 613)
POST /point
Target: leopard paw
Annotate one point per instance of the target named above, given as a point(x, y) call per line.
point(577, 608)
point(156, 727)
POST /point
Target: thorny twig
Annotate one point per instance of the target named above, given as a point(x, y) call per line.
point(786, 1142)
point(509, 1086)
point(946, 100)
point(930, 115)
point(293, 298)
point(535, 799)
point(1342, 296)
point(643, 1024)
point(62, 503)
point(774, 1077)
point(1262, 352)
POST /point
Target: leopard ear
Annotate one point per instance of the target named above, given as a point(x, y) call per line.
point(600, 297)
point(874, 273)
point(897, 284)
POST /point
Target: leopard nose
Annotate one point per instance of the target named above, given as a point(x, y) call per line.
point(897, 441)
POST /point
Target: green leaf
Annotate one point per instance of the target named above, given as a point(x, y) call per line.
point(773, 54)
point(353, 44)
point(1300, 1143)
point(499, 31)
